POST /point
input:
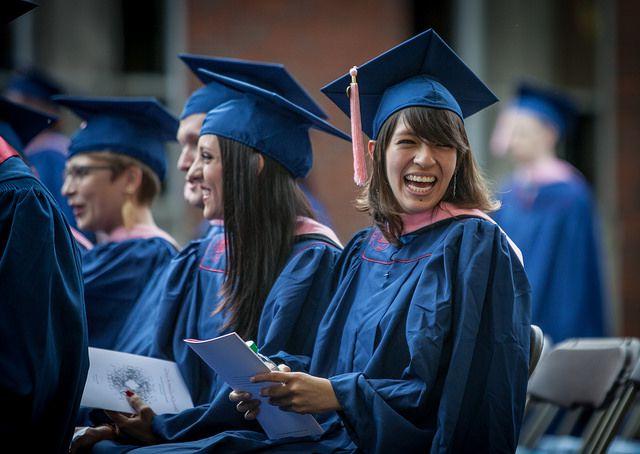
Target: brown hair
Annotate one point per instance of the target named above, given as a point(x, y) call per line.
point(150, 184)
point(467, 188)
point(260, 211)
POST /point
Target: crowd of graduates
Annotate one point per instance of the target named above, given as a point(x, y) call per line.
point(414, 336)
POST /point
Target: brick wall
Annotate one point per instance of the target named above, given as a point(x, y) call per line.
point(628, 160)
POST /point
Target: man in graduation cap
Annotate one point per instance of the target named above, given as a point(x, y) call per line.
point(548, 209)
point(47, 152)
point(43, 333)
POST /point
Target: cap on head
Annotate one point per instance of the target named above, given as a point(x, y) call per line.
point(551, 106)
point(136, 127)
point(268, 122)
point(422, 71)
point(19, 124)
point(270, 76)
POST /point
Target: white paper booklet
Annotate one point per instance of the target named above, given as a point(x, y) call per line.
point(236, 363)
point(156, 381)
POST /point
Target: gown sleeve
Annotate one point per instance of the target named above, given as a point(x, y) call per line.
point(455, 370)
point(43, 334)
point(290, 317)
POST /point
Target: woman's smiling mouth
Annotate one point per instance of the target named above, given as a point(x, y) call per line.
point(419, 184)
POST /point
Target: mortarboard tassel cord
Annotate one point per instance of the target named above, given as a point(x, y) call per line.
point(359, 163)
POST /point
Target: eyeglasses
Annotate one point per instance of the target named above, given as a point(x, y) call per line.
point(79, 172)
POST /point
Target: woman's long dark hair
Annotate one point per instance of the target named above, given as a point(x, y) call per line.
point(260, 211)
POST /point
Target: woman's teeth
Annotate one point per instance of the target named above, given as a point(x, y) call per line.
point(420, 184)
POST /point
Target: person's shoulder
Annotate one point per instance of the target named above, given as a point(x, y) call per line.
point(468, 226)
point(360, 238)
point(466, 234)
point(311, 246)
point(15, 175)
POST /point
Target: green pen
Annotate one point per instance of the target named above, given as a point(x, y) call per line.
point(254, 348)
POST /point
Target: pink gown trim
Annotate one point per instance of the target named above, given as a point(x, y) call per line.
point(549, 171)
point(139, 231)
point(81, 239)
point(444, 210)
point(307, 226)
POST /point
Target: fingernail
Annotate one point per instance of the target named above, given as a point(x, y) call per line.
point(252, 379)
point(129, 393)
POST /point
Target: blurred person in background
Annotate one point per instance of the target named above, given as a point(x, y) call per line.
point(113, 174)
point(548, 210)
point(46, 152)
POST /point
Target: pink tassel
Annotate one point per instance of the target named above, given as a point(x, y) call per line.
point(359, 163)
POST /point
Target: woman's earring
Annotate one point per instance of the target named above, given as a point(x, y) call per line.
point(455, 178)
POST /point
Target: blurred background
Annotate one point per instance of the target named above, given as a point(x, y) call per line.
point(589, 48)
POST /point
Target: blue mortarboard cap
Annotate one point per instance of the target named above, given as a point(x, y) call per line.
point(19, 124)
point(267, 122)
point(422, 71)
point(12, 9)
point(270, 76)
point(34, 83)
point(136, 127)
point(550, 105)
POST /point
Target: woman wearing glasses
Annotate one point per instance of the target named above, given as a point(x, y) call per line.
point(115, 166)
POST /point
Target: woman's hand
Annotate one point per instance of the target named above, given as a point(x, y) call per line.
point(91, 436)
point(137, 425)
point(245, 404)
point(299, 392)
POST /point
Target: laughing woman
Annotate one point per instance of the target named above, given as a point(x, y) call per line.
point(113, 173)
point(424, 346)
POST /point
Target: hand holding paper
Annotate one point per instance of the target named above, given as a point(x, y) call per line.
point(112, 373)
point(235, 363)
point(299, 392)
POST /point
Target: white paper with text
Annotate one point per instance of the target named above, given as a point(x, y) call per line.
point(158, 382)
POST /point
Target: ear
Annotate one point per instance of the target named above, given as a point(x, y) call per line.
point(260, 162)
point(133, 181)
point(371, 146)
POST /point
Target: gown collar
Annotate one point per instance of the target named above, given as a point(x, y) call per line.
point(545, 172)
point(138, 231)
point(307, 226)
point(445, 210)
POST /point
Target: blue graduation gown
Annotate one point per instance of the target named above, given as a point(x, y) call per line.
point(43, 331)
point(426, 346)
point(182, 286)
point(115, 275)
point(555, 227)
point(289, 319)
